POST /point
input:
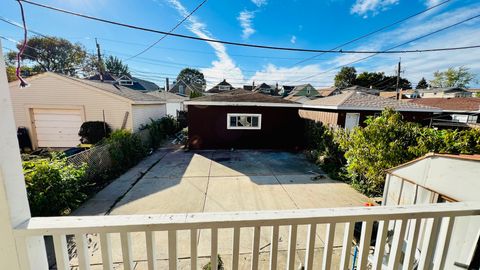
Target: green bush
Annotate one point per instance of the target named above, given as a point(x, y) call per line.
point(54, 187)
point(362, 156)
point(126, 149)
point(160, 129)
point(220, 265)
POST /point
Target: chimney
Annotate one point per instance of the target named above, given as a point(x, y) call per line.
point(253, 84)
point(167, 87)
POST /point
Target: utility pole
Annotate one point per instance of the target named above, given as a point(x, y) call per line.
point(100, 62)
point(398, 80)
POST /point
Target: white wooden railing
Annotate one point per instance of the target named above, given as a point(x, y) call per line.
point(407, 221)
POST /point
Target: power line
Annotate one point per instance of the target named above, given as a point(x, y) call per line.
point(375, 31)
point(391, 48)
point(169, 32)
point(208, 39)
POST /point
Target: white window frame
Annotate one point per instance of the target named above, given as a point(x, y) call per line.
point(223, 87)
point(229, 115)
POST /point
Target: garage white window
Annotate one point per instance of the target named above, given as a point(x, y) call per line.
point(244, 121)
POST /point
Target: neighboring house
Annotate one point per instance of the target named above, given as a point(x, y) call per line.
point(266, 89)
point(173, 102)
point(184, 89)
point(286, 90)
point(306, 90)
point(243, 119)
point(351, 109)
point(54, 107)
point(440, 178)
point(248, 87)
point(327, 92)
point(361, 89)
point(457, 112)
point(221, 87)
point(127, 81)
point(393, 94)
point(447, 92)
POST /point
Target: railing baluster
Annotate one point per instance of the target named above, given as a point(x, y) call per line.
point(106, 247)
point(151, 250)
point(61, 252)
point(126, 241)
point(347, 245)
point(309, 252)
point(411, 249)
point(397, 244)
point(255, 247)
point(193, 249)
point(236, 247)
point(380, 244)
point(429, 240)
point(364, 244)
point(274, 248)
point(82, 252)
point(172, 249)
point(327, 250)
point(443, 243)
point(292, 247)
point(23, 258)
point(214, 248)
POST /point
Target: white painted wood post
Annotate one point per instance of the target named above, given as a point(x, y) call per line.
point(14, 208)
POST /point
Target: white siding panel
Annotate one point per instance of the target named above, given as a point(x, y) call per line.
point(172, 108)
point(143, 113)
point(50, 91)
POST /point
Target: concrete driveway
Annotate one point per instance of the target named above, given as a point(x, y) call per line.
point(175, 181)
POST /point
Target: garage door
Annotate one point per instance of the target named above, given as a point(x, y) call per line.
point(57, 127)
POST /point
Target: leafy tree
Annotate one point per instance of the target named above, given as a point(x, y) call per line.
point(345, 77)
point(477, 94)
point(452, 77)
point(422, 84)
point(378, 80)
point(115, 66)
point(11, 73)
point(54, 54)
point(192, 76)
point(91, 65)
point(195, 94)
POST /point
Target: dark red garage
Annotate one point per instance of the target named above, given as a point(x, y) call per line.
point(242, 119)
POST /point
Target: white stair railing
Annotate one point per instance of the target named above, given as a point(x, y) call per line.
point(406, 221)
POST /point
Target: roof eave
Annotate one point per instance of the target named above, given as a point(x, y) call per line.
point(236, 104)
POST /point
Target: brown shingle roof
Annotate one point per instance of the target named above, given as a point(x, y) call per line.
point(240, 95)
point(452, 104)
point(359, 101)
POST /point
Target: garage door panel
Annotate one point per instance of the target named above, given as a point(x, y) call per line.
point(58, 117)
point(57, 127)
point(56, 131)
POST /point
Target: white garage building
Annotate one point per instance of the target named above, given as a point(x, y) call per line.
point(53, 107)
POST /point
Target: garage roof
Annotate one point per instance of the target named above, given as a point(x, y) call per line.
point(240, 97)
point(450, 104)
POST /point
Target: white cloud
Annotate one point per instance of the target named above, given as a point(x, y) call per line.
point(245, 18)
point(224, 66)
point(293, 39)
point(364, 7)
point(259, 3)
point(431, 3)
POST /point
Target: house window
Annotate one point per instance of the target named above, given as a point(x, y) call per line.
point(126, 82)
point(181, 89)
point(244, 121)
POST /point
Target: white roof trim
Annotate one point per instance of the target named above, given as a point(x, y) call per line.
point(331, 107)
point(253, 104)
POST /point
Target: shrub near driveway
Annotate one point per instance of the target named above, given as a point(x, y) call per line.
point(54, 187)
point(126, 150)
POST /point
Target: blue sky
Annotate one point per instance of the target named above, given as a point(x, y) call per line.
point(288, 23)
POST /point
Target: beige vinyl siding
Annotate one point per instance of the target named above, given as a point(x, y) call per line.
point(50, 91)
point(327, 118)
point(143, 113)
